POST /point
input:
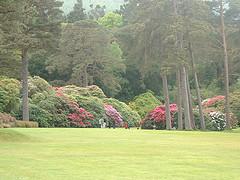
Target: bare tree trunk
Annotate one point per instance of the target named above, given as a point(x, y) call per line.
point(167, 103)
point(202, 120)
point(179, 100)
point(190, 103)
point(85, 76)
point(25, 103)
point(187, 119)
point(227, 109)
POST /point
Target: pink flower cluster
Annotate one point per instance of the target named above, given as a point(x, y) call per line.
point(211, 101)
point(159, 113)
point(81, 118)
point(112, 113)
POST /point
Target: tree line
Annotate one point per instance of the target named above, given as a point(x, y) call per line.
point(166, 46)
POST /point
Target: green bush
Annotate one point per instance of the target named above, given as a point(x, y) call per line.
point(56, 106)
point(9, 95)
point(38, 85)
point(235, 104)
point(93, 105)
point(127, 113)
point(144, 103)
point(26, 124)
point(89, 91)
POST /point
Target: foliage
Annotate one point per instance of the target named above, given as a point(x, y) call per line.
point(81, 118)
point(9, 95)
point(217, 121)
point(113, 114)
point(38, 85)
point(6, 120)
point(93, 105)
point(235, 104)
point(111, 20)
point(77, 13)
point(157, 117)
point(72, 90)
point(144, 103)
point(26, 124)
point(128, 115)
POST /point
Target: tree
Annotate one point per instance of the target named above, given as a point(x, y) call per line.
point(33, 25)
point(226, 68)
point(83, 59)
point(77, 13)
point(111, 20)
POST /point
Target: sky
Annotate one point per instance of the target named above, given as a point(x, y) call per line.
point(110, 4)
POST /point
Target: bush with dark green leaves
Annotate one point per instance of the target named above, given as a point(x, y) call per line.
point(9, 95)
point(235, 104)
point(144, 103)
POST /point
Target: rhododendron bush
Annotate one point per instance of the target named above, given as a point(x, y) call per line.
point(216, 104)
point(157, 117)
point(113, 114)
point(81, 118)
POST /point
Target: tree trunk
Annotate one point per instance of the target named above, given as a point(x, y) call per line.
point(25, 103)
point(167, 103)
point(85, 76)
point(202, 120)
point(179, 100)
point(190, 103)
point(187, 118)
point(227, 109)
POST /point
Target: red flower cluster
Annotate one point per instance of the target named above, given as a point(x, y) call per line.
point(211, 101)
point(159, 113)
point(81, 118)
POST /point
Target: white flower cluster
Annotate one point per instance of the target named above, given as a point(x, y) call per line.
point(218, 121)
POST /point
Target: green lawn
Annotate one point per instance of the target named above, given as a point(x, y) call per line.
point(107, 154)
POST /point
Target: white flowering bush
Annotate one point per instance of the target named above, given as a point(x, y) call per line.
point(217, 121)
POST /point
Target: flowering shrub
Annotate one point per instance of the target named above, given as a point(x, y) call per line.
point(217, 121)
point(213, 102)
point(113, 114)
point(128, 115)
point(81, 118)
point(6, 120)
point(157, 117)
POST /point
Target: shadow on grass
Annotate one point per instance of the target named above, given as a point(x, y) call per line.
point(11, 135)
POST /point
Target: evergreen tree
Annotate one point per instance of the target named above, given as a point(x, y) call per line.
point(77, 13)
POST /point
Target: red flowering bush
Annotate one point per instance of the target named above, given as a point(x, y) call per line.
point(113, 114)
point(213, 102)
point(81, 118)
point(157, 117)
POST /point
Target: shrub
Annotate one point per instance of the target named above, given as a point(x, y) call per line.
point(217, 121)
point(6, 120)
point(158, 117)
point(26, 124)
point(9, 95)
point(128, 115)
point(38, 85)
point(113, 114)
point(83, 91)
point(144, 103)
point(81, 118)
point(235, 104)
point(93, 105)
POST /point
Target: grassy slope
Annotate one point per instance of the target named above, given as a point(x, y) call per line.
point(117, 154)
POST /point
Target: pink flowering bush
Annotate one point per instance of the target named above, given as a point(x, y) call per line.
point(213, 102)
point(157, 117)
point(81, 118)
point(113, 114)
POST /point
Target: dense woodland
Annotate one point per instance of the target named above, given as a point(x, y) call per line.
point(150, 63)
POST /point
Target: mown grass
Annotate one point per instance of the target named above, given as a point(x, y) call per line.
point(107, 154)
